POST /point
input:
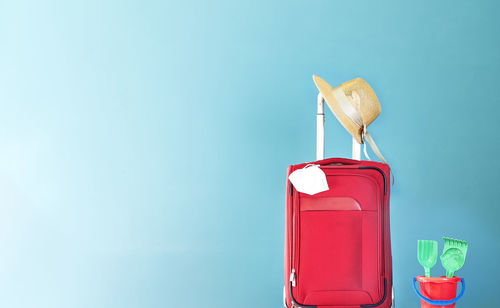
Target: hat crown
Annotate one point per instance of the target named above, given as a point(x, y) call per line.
point(369, 105)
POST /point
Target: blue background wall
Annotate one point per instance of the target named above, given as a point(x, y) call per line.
point(143, 145)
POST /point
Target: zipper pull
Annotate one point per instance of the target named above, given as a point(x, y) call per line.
point(292, 278)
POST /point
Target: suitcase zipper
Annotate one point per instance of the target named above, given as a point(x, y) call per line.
point(292, 275)
point(292, 278)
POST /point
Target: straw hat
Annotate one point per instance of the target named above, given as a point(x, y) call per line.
point(354, 103)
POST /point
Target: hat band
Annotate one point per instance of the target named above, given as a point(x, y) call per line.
point(356, 118)
point(346, 106)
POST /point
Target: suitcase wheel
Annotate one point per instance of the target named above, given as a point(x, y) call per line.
point(284, 298)
point(393, 299)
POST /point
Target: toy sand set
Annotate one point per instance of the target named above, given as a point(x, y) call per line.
point(440, 291)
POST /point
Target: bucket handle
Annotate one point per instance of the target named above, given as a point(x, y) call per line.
point(438, 302)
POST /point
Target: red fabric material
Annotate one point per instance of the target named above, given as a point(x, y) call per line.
point(342, 251)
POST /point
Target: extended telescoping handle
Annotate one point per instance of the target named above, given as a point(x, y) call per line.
point(320, 133)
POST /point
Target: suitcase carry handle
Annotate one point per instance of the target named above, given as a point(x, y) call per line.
point(438, 302)
point(340, 161)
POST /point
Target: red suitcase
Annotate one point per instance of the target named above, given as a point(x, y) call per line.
point(337, 242)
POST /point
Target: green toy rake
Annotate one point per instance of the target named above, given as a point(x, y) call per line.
point(453, 257)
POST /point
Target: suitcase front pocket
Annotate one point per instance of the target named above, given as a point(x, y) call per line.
point(338, 252)
point(330, 250)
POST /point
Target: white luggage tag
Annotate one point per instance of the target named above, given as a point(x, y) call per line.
point(309, 180)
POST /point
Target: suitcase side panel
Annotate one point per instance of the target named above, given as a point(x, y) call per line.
point(358, 236)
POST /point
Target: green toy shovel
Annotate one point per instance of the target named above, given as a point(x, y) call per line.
point(453, 257)
point(427, 255)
